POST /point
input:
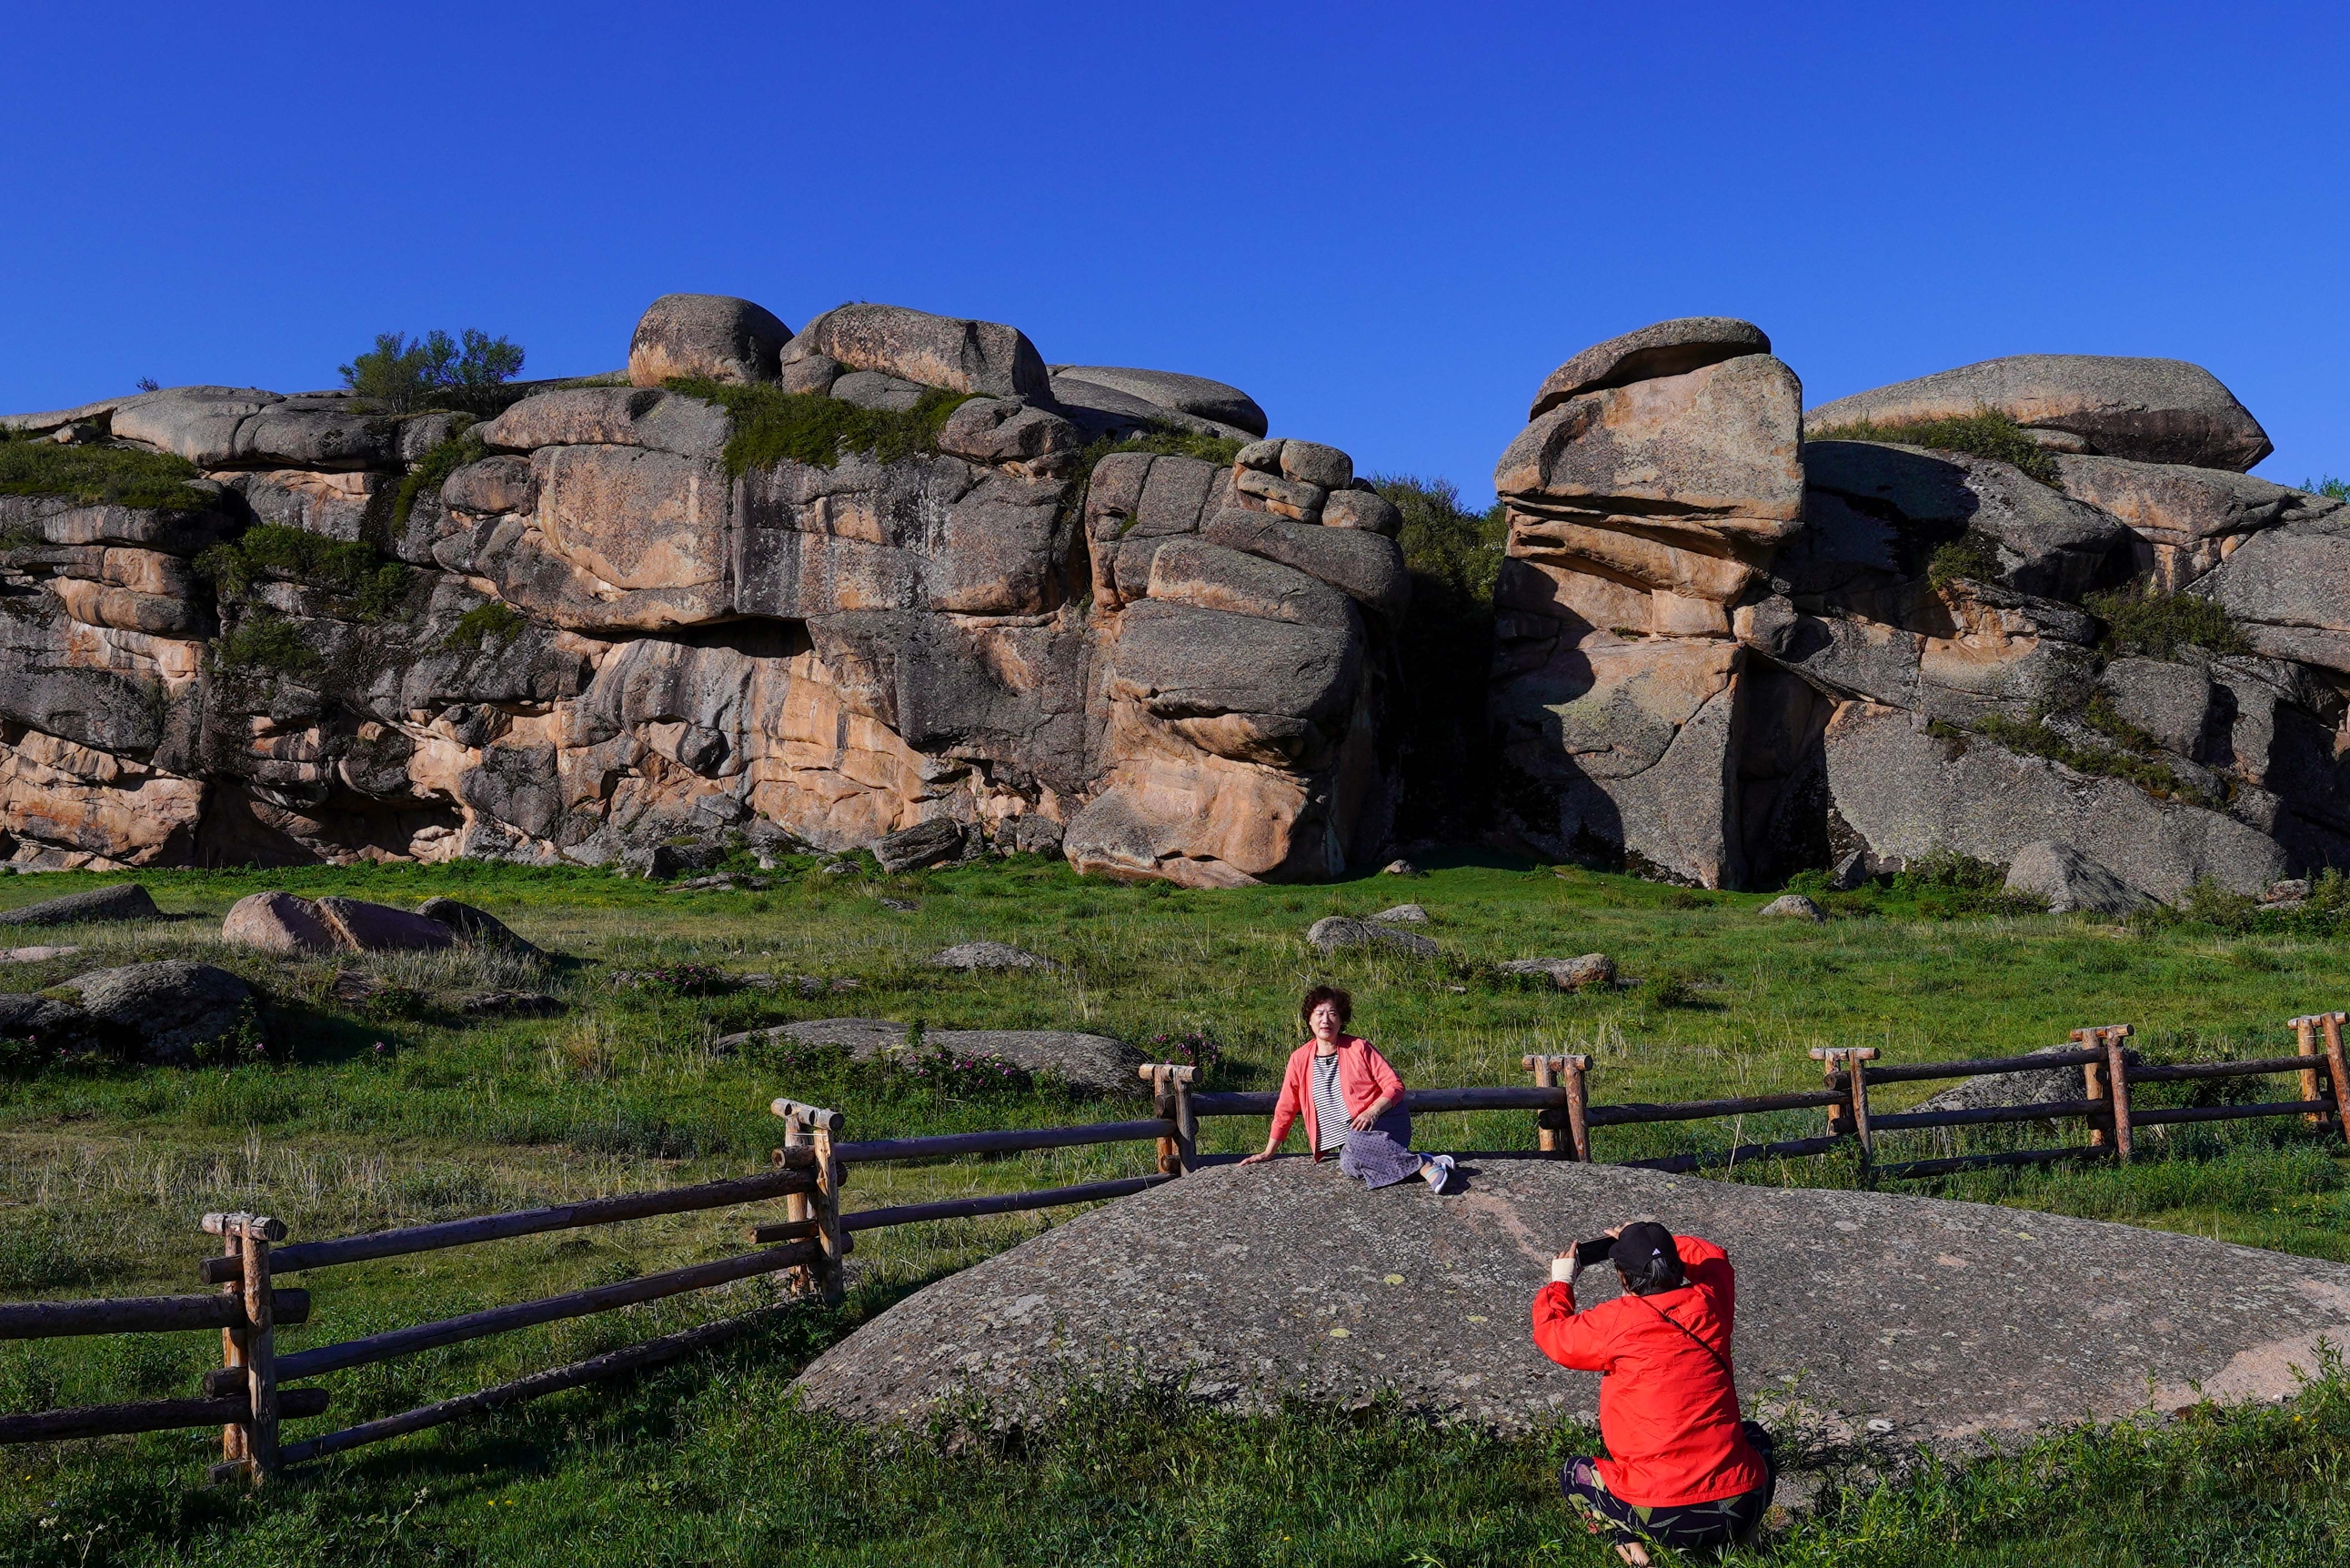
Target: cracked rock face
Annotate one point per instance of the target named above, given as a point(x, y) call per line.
point(599, 637)
point(1724, 654)
point(1956, 1322)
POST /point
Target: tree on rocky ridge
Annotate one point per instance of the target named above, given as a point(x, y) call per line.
point(401, 373)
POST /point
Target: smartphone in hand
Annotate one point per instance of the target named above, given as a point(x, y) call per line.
point(1592, 1251)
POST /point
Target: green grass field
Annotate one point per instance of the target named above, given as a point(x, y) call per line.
point(104, 1170)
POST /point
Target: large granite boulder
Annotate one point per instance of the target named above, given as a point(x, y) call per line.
point(985, 358)
point(2288, 589)
point(1251, 1285)
point(1661, 473)
point(1194, 395)
point(1652, 353)
point(2046, 543)
point(176, 1009)
point(1093, 1063)
point(122, 901)
point(1909, 793)
point(2188, 520)
point(2154, 410)
point(713, 336)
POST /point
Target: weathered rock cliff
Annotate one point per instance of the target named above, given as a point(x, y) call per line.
point(611, 616)
point(1727, 653)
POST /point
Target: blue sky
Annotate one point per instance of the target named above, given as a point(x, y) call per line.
point(1386, 222)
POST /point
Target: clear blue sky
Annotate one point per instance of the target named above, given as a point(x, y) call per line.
point(1386, 222)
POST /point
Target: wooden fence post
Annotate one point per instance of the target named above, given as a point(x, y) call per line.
point(1843, 1072)
point(1545, 1072)
point(2305, 1039)
point(820, 1128)
point(2118, 1081)
point(1579, 1106)
point(232, 1453)
point(1186, 1122)
point(251, 1446)
point(1171, 1101)
point(798, 1209)
point(2093, 1087)
point(2337, 1070)
point(1855, 1069)
point(1832, 1078)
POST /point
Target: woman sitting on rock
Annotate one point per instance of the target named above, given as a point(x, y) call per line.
point(1351, 1099)
point(1685, 1471)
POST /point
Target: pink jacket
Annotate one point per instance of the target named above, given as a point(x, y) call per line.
point(1364, 1079)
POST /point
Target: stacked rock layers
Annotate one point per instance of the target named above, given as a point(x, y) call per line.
point(1727, 654)
point(608, 635)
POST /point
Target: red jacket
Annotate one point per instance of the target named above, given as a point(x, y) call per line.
point(1668, 1409)
point(1364, 1079)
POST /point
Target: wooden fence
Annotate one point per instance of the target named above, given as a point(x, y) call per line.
point(247, 1396)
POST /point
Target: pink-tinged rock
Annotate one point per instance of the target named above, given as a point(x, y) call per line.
point(279, 922)
point(379, 928)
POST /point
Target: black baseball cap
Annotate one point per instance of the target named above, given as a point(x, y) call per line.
point(1641, 1242)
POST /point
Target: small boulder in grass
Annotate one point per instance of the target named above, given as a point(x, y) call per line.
point(1403, 914)
point(123, 902)
point(970, 956)
point(1568, 973)
point(476, 927)
point(1793, 907)
point(1398, 869)
point(279, 923)
point(379, 928)
point(1335, 931)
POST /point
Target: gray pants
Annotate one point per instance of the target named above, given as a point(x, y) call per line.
point(1381, 1153)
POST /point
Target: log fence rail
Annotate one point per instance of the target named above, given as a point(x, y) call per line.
point(246, 1398)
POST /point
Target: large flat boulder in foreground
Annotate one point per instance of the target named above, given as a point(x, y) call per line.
point(1954, 1321)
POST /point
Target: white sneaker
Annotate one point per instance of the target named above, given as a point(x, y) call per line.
point(1442, 1164)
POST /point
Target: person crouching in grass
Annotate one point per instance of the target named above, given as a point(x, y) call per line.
point(1685, 1471)
point(1351, 1100)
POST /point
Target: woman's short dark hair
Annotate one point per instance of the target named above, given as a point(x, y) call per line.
point(1656, 1275)
point(1335, 997)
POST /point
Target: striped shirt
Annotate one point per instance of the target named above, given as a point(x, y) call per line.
point(1330, 1108)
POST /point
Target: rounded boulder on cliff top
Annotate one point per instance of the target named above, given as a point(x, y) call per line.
point(1194, 395)
point(2155, 411)
point(1666, 348)
point(705, 335)
point(986, 358)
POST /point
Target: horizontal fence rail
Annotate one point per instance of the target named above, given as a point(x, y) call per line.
point(816, 1235)
point(526, 1222)
point(142, 1315)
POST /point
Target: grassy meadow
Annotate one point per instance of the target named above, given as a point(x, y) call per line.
point(400, 1107)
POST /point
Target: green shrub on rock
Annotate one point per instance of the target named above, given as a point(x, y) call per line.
point(1986, 432)
point(774, 426)
point(99, 475)
point(403, 374)
point(2152, 624)
point(372, 587)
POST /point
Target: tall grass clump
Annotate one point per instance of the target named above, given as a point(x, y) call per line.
point(773, 426)
point(1986, 432)
point(352, 571)
point(100, 476)
point(2148, 622)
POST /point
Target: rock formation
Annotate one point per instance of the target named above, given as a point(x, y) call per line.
point(1250, 1283)
point(1727, 653)
point(896, 582)
point(609, 616)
